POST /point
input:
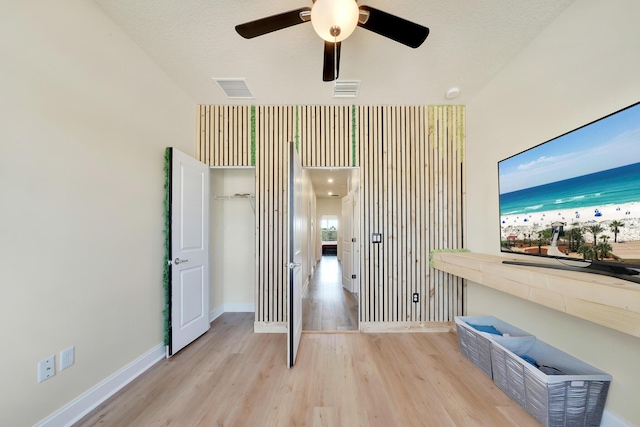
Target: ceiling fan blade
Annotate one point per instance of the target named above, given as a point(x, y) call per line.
point(331, 61)
point(266, 25)
point(393, 27)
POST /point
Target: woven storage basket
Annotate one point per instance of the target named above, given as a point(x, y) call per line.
point(575, 399)
point(475, 345)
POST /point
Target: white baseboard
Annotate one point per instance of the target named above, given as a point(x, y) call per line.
point(239, 308)
point(305, 287)
point(216, 312)
point(231, 308)
point(611, 420)
point(86, 402)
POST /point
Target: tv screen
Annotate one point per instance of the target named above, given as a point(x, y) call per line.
point(577, 196)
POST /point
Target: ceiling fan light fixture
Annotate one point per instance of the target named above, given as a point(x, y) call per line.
point(334, 20)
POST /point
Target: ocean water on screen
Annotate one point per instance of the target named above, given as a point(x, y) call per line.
point(609, 187)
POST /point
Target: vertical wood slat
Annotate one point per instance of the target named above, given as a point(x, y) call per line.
point(364, 231)
point(217, 133)
point(379, 207)
point(260, 313)
point(388, 176)
point(404, 241)
point(207, 158)
point(432, 165)
point(415, 216)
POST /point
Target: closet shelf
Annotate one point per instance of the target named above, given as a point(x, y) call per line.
point(234, 196)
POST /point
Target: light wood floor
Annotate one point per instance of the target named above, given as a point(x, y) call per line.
point(327, 306)
point(233, 377)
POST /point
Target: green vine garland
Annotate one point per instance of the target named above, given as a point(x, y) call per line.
point(167, 231)
point(253, 135)
point(353, 135)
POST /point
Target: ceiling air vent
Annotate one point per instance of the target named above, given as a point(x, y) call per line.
point(346, 89)
point(234, 88)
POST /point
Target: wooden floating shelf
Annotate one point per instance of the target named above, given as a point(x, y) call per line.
point(608, 301)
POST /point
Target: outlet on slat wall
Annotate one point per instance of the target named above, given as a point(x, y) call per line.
point(412, 188)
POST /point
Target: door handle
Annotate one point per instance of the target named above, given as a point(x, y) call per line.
point(293, 265)
point(178, 261)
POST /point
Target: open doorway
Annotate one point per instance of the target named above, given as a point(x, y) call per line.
point(329, 303)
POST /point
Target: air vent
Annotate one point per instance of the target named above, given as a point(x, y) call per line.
point(234, 88)
point(346, 89)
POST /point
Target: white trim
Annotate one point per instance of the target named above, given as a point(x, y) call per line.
point(216, 312)
point(270, 327)
point(305, 287)
point(231, 308)
point(89, 400)
point(394, 327)
point(239, 308)
point(611, 420)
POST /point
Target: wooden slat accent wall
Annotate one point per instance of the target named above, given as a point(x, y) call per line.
point(325, 136)
point(224, 135)
point(411, 161)
point(412, 176)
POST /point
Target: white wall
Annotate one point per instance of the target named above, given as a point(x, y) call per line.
point(239, 238)
point(233, 241)
point(308, 238)
point(216, 242)
point(582, 67)
point(84, 120)
point(354, 187)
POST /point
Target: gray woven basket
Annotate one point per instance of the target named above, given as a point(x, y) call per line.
point(476, 345)
point(575, 399)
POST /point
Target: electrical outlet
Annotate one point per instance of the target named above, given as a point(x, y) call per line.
point(46, 368)
point(416, 297)
point(66, 357)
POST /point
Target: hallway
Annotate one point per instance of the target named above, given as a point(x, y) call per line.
point(327, 306)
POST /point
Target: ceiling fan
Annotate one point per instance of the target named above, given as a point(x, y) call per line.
point(334, 21)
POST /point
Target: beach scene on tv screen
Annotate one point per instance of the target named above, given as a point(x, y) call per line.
point(577, 195)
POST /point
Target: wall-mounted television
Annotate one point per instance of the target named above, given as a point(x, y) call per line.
point(576, 198)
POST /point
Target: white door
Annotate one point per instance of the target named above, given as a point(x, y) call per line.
point(355, 247)
point(189, 250)
point(347, 242)
point(294, 302)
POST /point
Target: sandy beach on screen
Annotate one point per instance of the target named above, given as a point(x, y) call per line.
point(629, 214)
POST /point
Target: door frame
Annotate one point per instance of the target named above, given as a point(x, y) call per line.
point(347, 262)
point(294, 300)
point(356, 229)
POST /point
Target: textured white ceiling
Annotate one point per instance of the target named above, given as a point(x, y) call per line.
point(319, 179)
point(194, 41)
